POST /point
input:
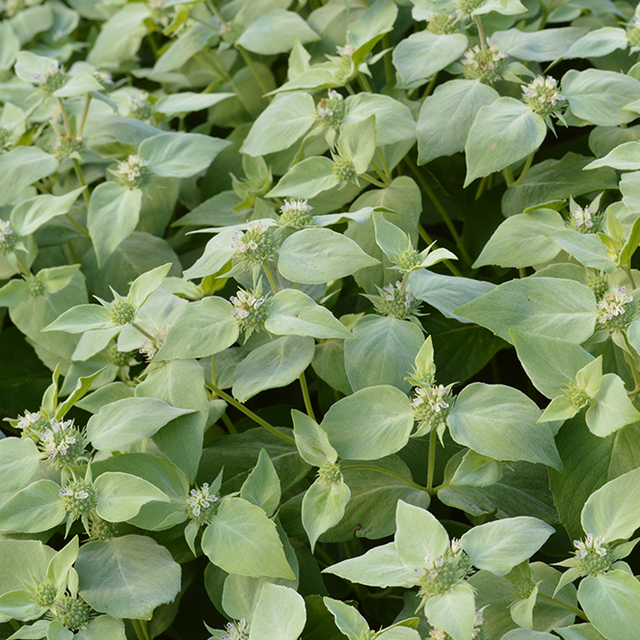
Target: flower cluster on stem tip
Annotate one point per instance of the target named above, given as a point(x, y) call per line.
point(122, 311)
point(578, 397)
point(140, 107)
point(201, 504)
point(249, 310)
point(62, 443)
point(52, 80)
point(332, 109)
point(73, 612)
point(149, 348)
point(296, 213)
point(238, 630)
point(633, 33)
point(8, 237)
point(593, 555)
point(431, 406)
point(79, 498)
point(442, 573)
point(66, 145)
point(133, 172)
point(543, 96)
point(254, 245)
point(585, 219)
point(443, 24)
point(32, 424)
point(396, 301)
point(616, 310)
point(487, 65)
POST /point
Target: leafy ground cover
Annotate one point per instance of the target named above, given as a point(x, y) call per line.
point(320, 319)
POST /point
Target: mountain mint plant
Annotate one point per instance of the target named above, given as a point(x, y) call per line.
point(321, 319)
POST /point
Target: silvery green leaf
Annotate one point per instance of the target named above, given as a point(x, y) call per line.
point(35, 508)
point(19, 461)
point(280, 614)
point(312, 441)
point(187, 102)
point(31, 214)
point(20, 168)
point(453, 611)
point(597, 43)
point(323, 506)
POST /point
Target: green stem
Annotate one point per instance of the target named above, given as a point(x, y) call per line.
point(76, 224)
point(85, 194)
point(143, 332)
point(14, 624)
point(247, 412)
point(527, 166)
point(431, 468)
point(508, 176)
point(214, 10)
point(429, 89)
point(385, 166)
point(306, 397)
point(230, 426)
point(373, 181)
point(85, 113)
point(566, 605)
point(388, 69)
point(447, 263)
point(371, 467)
point(22, 267)
point(72, 252)
point(483, 40)
point(364, 83)
point(223, 70)
point(522, 272)
point(141, 629)
point(631, 361)
point(247, 58)
point(270, 278)
point(442, 211)
point(76, 164)
point(628, 271)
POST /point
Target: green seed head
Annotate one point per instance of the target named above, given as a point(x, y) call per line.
point(45, 594)
point(599, 285)
point(443, 24)
point(118, 358)
point(577, 397)
point(122, 311)
point(467, 7)
point(332, 109)
point(408, 259)
point(254, 245)
point(522, 588)
point(100, 529)
point(442, 573)
point(633, 33)
point(35, 286)
point(396, 302)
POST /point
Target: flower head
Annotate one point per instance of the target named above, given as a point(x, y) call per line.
point(133, 173)
point(431, 407)
point(249, 309)
point(62, 443)
point(585, 219)
point(346, 50)
point(543, 96)
point(104, 78)
point(443, 24)
point(200, 504)
point(79, 498)
point(441, 573)
point(487, 65)
point(254, 245)
point(332, 109)
point(149, 348)
point(593, 554)
point(616, 310)
point(8, 237)
point(140, 107)
point(52, 80)
point(296, 213)
point(395, 301)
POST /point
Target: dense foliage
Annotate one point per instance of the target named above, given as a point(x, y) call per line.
point(321, 319)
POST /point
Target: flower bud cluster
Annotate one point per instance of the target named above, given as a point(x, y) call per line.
point(122, 311)
point(432, 405)
point(329, 473)
point(35, 286)
point(396, 302)
point(118, 358)
point(443, 24)
point(616, 310)
point(79, 498)
point(254, 245)
point(543, 97)
point(296, 214)
point(250, 310)
point(332, 110)
point(8, 237)
point(66, 145)
point(45, 594)
point(62, 443)
point(32, 425)
point(73, 612)
point(104, 78)
point(488, 65)
point(633, 34)
point(344, 170)
point(230, 32)
point(523, 588)
point(140, 107)
point(201, 504)
point(133, 172)
point(408, 259)
point(577, 397)
point(599, 285)
point(100, 529)
point(594, 556)
point(585, 219)
point(52, 80)
point(5, 137)
point(467, 7)
point(445, 571)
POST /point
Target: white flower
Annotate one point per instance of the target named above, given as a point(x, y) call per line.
point(55, 441)
point(591, 544)
point(150, 348)
point(103, 76)
point(613, 305)
point(201, 499)
point(581, 217)
point(292, 204)
point(28, 420)
point(80, 494)
point(434, 396)
point(244, 241)
point(237, 630)
point(346, 50)
point(244, 303)
point(5, 230)
point(131, 168)
point(43, 77)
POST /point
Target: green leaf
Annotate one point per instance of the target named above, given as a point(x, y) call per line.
point(379, 421)
point(423, 54)
point(268, 621)
point(276, 32)
point(599, 96)
point(35, 508)
point(272, 365)
point(241, 539)
point(20, 168)
point(112, 217)
point(122, 495)
point(551, 307)
point(383, 352)
point(447, 115)
point(312, 441)
point(188, 102)
point(328, 364)
point(262, 486)
point(306, 179)
point(598, 43)
point(365, 32)
point(390, 238)
point(318, 256)
point(502, 133)
point(31, 214)
point(550, 363)
point(419, 535)
point(378, 567)
point(347, 619)
point(537, 46)
point(205, 327)
point(19, 461)
point(528, 634)
point(292, 312)
point(624, 157)
point(281, 124)
point(610, 600)
point(611, 511)
point(453, 611)
point(14, 293)
point(127, 421)
point(357, 142)
point(586, 248)
point(556, 180)
point(501, 545)
point(128, 576)
point(180, 155)
point(613, 408)
point(501, 422)
point(323, 506)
